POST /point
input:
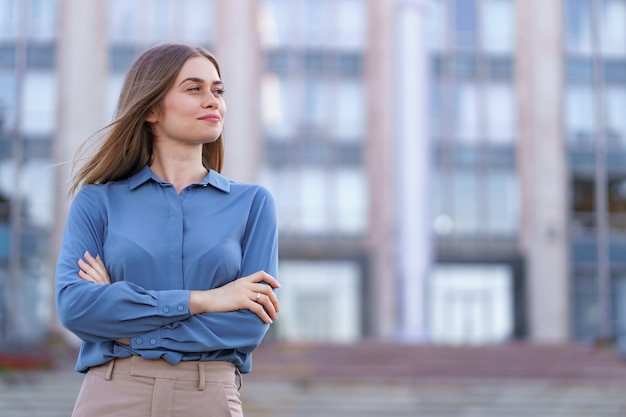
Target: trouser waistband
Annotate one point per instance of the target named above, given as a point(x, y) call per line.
point(201, 372)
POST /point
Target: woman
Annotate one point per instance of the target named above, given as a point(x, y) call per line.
point(166, 270)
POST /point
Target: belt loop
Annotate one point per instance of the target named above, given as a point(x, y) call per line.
point(240, 378)
point(109, 372)
point(201, 378)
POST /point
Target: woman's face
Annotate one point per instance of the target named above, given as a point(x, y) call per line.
point(193, 109)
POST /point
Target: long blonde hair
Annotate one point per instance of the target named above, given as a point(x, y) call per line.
point(127, 142)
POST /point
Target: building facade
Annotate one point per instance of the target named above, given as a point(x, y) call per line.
point(446, 171)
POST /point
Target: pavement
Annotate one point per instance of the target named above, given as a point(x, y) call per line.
point(373, 379)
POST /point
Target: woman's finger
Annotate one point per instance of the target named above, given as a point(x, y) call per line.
point(268, 305)
point(260, 311)
point(93, 271)
point(97, 264)
point(267, 295)
point(85, 276)
point(262, 276)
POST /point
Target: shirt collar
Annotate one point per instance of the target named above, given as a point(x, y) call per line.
point(213, 178)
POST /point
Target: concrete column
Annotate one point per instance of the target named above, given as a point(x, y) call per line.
point(412, 166)
point(238, 52)
point(543, 168)
point(81, 64)
point(380, 310)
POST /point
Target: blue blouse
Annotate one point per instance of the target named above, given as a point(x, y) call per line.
point(158, 245)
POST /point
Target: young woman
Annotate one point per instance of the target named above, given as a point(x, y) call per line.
point(166, 270)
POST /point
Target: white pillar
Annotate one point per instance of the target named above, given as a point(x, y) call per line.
point(412, 167)
point(238, 52)
point(543, 168)
point(82, 58)
point(381, 311)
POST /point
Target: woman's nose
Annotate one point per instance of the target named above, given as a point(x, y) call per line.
point(210, 102)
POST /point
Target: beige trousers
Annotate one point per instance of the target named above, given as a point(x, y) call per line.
point(135, 387)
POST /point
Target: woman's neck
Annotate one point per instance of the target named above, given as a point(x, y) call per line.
point(178, 170)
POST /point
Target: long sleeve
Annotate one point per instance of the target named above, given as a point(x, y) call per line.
point(239, 330)
point(158, 245)
point(105, 312)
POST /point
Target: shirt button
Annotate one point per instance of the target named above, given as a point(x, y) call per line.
point(166, 310)
point(181, 308)
point(139, 341)
point(153, 341)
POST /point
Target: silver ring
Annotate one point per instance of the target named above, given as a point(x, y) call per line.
point(258, 297)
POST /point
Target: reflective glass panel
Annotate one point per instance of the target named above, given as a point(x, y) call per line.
point(578, 26)
point(613, 28)
point(498, 26)
point(39, 102)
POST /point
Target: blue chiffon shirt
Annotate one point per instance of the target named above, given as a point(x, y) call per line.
point(158, 245)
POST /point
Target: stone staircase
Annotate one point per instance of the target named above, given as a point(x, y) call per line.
point(375, 379)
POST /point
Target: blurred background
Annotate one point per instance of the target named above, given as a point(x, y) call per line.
point(450, 178)
point(447, 172)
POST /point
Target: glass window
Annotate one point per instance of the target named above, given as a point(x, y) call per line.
point(7, 100)
point(336, 24)
point(318, 22)
point(466, 214)
point(466, 112)
point(313, 197)
point(152, 21)
point(578, 26)
point(116, 80)
point(274, 25)
point(442, 206)
point(8, 19)
point(279, 101)
point(283, 183)
point(583, 205)
point(39, 103)
point(503, 202)
point(124, 20)
point(347, 121)
point(199, 21)
point(613, 28)
point(619, 307)
point(319, 200)
point(324, 299)
point(617, 204)
point(585, 306)
point(437, 27)
point(498, 26)
point(471, 303)
point(465, 23)
point(42, 25)
point(615, 97)
point(350, 200)
point(37, 177)
point(316, 104)
point(436, 108)
point(351, 21)
point(7, 179)
point(579, 114)
point(501, 113)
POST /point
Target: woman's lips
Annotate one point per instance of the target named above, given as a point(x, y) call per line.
point(211, 118)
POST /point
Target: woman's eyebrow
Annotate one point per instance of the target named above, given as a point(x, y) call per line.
point(200, 80)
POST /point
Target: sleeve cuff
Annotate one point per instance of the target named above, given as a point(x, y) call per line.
point(173, 303)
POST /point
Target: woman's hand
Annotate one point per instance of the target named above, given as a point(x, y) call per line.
point(253, 292)
point(93, 270)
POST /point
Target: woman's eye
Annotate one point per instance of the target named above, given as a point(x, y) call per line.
point(194, 88)
point(219, 92)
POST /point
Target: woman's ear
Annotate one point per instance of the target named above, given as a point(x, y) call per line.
point(152, 116)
